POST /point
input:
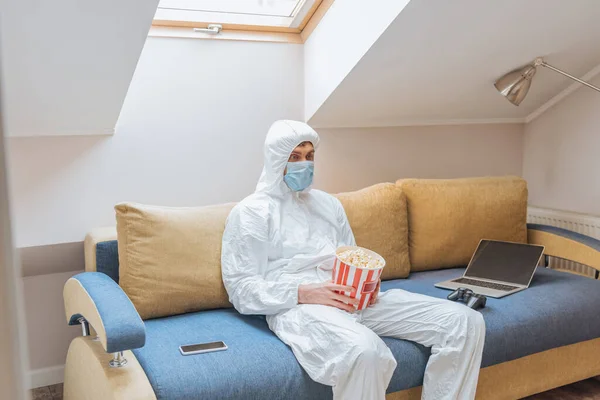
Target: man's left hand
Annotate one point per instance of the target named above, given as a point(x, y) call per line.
point(375, 294)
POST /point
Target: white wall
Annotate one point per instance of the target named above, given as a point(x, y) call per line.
point(190, 133)
point(13, 353)
point(343, 36)
point(561, 154)
point(48, 334)
point(350, 159)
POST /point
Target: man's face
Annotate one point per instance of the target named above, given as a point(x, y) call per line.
point(303, 152)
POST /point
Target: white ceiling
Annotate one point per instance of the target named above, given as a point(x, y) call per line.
point(67, 64)
point(438, 60)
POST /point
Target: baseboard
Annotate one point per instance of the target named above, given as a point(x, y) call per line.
point(46, 376)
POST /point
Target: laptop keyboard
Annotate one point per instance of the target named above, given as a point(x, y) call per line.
point(490, 285)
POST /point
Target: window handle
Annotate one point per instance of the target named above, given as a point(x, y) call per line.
point(213, 29)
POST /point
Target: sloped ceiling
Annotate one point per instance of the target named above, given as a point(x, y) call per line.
point(438, 60)
point(336, 45)
point(67, 64)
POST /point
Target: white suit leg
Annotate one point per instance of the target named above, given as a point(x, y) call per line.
point(336, 350)
point(455, 333)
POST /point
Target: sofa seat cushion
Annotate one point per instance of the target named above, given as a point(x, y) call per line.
point(557, 310)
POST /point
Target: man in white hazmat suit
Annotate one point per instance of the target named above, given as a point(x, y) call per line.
point(277, 259)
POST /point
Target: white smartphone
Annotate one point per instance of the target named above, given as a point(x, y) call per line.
point(198, 348)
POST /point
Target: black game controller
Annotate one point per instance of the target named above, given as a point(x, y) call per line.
point(473, 299)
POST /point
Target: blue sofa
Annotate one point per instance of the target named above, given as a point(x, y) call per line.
point(537, 339)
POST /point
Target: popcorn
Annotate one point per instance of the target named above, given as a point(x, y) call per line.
point(360, 268)
point(360, 258)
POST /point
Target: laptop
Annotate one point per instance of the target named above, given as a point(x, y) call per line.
point(498, 268)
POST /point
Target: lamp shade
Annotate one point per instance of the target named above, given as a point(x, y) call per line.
point(515, 85)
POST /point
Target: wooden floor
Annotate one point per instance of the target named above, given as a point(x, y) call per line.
point(54, 392)
point(584, 390)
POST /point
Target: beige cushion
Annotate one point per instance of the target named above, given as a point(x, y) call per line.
point(170, 258)
point(447, 218)
point(378, 218)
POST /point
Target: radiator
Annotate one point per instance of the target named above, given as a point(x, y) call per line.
point(586, 224)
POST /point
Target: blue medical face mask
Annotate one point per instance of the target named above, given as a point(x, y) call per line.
point(299, 175)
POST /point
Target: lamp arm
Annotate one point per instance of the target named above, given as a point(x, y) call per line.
point(545, 64)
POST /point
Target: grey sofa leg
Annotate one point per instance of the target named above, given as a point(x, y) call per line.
point(118, 361)
point(85, 326)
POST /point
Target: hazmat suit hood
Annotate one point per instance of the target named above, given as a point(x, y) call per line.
point(276, 239)
point(282, 138)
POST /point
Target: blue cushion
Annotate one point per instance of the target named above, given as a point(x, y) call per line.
point(558, 309)
point(124, 328)
point(107, 259)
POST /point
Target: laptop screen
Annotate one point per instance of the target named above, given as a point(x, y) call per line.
point(503, 261)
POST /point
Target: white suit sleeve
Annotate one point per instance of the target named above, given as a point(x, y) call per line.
point(346, 235)
point(244, 257)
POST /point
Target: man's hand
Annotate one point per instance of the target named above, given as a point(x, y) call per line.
point(324, 294)
point(375, 294)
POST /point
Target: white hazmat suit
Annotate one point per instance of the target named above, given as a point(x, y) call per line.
point(277, 239)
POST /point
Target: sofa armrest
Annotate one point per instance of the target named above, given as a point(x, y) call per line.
point(97, 298)
point(563, 243)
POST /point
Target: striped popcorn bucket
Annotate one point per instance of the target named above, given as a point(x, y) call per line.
point(362, 279)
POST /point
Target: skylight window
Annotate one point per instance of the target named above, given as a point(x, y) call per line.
point(267, 15)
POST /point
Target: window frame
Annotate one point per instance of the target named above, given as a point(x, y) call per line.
point(235, 31)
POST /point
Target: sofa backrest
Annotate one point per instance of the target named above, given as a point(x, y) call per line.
point(416, 225)
point(101, 252)
point(448, 218)
point(166, 256)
